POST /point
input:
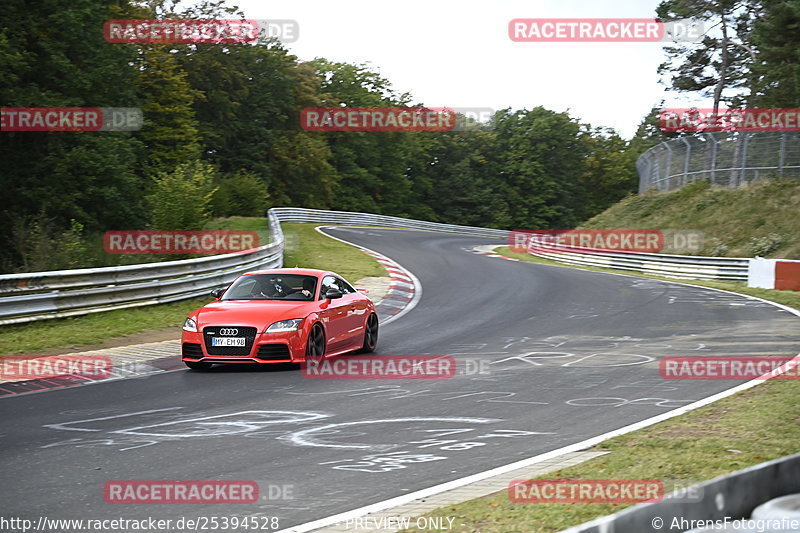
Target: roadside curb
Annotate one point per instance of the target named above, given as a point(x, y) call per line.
point(405, 289)
point(132, 361)
point(402, 288)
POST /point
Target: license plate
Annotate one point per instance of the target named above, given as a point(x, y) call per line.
point(227, 341)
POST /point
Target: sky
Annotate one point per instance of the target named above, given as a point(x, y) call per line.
point(450, 53)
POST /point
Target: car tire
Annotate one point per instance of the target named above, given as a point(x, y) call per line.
point(315, 345)
point(370, 334)
point(198, 365)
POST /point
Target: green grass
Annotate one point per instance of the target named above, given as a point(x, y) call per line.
point(257, 224)
point(743, 430)
point(305, 247)
point(760, 219)
point(714, 440)
point(238, 223)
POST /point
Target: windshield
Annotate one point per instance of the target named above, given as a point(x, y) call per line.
point(272, 287)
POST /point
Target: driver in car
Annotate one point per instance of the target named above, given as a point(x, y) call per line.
point(276, 288)
point(308, 288)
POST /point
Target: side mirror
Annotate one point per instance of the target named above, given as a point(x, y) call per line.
point(362, 290)
point(332, 294)
point(217, 293)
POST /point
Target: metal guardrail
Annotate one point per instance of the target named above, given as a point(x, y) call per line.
point(292, 214)
point(41, 295)
point(672, 266)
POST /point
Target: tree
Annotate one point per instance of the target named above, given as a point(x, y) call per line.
point(776, 72)
point(540, 160)
point(170, 128)
point(371, 166)
point(610, 173)
point(718, 63)
point(54, 55)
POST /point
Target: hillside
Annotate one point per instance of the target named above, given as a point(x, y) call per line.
point(761, 219)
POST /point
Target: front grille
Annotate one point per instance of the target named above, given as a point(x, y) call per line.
point(273, 352)
point(249, 334)
point(192, 350)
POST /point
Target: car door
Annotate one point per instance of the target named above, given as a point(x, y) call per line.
point(356, 308)
point(334, 315)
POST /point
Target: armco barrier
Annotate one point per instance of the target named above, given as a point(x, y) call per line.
point(41, 295)
point(672, 266)
point(734, 496)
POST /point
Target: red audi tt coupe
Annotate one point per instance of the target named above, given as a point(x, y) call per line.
point(280, 316)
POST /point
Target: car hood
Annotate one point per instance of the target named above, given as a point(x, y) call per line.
point(257, 313)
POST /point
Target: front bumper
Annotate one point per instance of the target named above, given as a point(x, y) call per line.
point(283, 347)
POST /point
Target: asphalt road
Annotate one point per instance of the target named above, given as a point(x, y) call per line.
point(564, 355)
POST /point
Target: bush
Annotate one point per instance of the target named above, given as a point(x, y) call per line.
point(42, 246)
point(240, 194)
point(763, 246)
point(181, 199)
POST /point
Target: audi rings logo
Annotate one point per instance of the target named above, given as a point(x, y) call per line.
point(228, 331)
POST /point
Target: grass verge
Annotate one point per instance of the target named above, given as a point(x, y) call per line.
point(742, 430)
point(737, 222)
point(305, 247)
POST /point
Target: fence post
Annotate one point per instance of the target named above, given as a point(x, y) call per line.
point(668, 169)
point(782, 154)
point(686, 160)
point(743, 171)
point(714, 143)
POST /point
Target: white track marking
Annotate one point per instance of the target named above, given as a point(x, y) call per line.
point(210, 426)
point(111, 417)
point(417, 285)
point(305, 437)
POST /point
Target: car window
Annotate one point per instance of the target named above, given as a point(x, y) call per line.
point(344, 286)
point(328, 282)
point(272, 287)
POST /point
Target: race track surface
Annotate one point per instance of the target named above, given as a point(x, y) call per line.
point(566, 355)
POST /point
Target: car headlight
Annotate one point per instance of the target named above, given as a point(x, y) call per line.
point(190, 325)
point(285, 325)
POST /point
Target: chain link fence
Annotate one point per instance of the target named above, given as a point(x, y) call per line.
point(724, 159)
